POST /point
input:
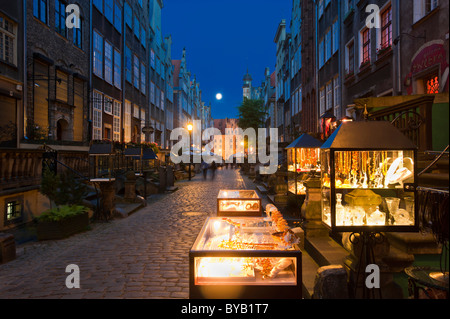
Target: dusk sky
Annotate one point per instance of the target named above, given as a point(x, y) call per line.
point(222, 39)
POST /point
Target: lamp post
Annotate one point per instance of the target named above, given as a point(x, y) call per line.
point(190, 128)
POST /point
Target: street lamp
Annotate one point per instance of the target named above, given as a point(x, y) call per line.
point(190, 128)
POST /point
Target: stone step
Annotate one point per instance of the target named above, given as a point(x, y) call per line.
point(325, 251)
point(433, 179)
point(262, 189)
point(309, 271)
point(414, 243)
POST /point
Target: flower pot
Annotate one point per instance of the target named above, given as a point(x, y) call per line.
point(62, 228)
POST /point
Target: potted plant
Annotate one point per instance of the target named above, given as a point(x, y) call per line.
point(67, 216)
point(62, 221)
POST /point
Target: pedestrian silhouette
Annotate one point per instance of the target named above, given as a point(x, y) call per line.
point(213, 169)
point(204, 167)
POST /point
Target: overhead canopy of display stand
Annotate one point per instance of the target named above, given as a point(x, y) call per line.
point(368, 135)
point(303, 157)
point(369, 178)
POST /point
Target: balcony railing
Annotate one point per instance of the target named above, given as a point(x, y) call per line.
point(413, 118)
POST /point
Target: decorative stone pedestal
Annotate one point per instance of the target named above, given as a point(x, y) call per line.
point(311, 210)
point(107, 206)
point(387, 262)
point(130, 186)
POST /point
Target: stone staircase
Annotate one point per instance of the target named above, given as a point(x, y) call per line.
point(437, 176)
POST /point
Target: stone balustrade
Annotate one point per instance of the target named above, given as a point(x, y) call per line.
point(20, 168)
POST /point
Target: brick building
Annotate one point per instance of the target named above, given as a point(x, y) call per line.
point(57, 67)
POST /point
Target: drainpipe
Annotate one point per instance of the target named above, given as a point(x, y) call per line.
point(90, 128)
point(316, 71)
point(397, 51)
point(339, 116)
point(122, 73)
point(21, 128)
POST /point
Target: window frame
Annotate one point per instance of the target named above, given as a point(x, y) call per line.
point(97, 115)
point(109, 62)
point(60, 17)
point(386, 26)
point(99, 60)
point(117, 78)
point(18, 200)
point(12, 35)
point(40, 11)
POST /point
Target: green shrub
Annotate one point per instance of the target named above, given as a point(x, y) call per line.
point(62, 212)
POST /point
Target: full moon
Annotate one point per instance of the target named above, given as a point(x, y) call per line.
point(219, 96)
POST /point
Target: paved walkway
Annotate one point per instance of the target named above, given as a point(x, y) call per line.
point(142, 256)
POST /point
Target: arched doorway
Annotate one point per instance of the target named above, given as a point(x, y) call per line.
point(62, 130)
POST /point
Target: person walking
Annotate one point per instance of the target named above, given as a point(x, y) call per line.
point(213, 169)
point(204, 167)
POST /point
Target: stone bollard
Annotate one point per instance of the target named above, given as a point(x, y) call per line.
point(162, 179)
point(331, 283)
point(169, 176)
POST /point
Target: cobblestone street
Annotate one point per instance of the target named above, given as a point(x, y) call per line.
point(142, 256)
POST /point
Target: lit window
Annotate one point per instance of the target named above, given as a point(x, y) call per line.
point(116, 121)
point(386, 28)
point(432, 85)
point(365, 42)
point(13, 210)
point(97, 115)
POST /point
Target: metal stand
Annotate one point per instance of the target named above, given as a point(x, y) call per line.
point(367, 240)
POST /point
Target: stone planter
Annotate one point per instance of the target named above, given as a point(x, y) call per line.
point(63, 228)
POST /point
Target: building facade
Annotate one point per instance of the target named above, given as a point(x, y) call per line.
point(58, 72)
point(328, 62)
point(308, 69)
point(12, 69)
point(295, 56)
point(281, 95)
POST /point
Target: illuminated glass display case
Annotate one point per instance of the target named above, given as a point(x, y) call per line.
point(244, 258)
point(103, 162)
point(369, 179)
point(238, 203)
point(139, 159)
point(303, 156)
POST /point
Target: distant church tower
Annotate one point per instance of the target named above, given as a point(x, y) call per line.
point(247, 87)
